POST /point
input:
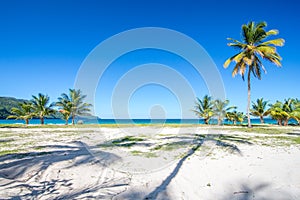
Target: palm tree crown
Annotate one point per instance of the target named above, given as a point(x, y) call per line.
point(252, 50)
point(221, 109)
point(259, 109)
point(25, 112)
point(65, 107)
point(204, 108)
point(41, 107)
point(74, 104)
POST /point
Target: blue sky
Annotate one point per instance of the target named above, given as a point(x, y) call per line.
point(43, 44)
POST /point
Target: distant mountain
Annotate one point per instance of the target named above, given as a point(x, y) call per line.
point(6, 103)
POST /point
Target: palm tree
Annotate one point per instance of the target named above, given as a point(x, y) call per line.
point(296, 112)
point(278, 113)
point(65, 107)
point(204, 108)
point(25, 112)
point(75, 100)
point(235, 116)
point(253, 49)
point(41, 107)
point(259, 109)
point(221, 109)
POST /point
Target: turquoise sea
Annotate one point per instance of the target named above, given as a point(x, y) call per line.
point(135, 121)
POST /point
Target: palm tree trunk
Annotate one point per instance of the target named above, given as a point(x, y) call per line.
point(249, 100)
point(219, 121)
point(262, 120)
point(206, 120)
point(27, 121)
point(42, 120)
point(286, 121)
point(73, 119)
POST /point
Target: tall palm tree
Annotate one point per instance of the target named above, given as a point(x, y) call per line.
point(259, 109)
point(42, 106)
point(75, 100)
point(221, 109)
point(204, 108)
point(65, 107)
point(252, 50)
point(25, 112)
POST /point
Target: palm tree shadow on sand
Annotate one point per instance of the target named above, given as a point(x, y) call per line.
point(160, 192)
point(36, 175)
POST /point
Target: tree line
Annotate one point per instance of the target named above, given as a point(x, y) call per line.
point(69, 105)
point(208, 108)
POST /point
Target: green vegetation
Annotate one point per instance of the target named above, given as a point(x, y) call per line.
point(40, 107)
point(127, 141)
point(259, 109)
point(6, 103)
point(221, 109)
point(145, 154)
point(73, 105)
point(172, 146)
point(283, 112)
point(64, 107)
point(235, 117)
point(252, 50)
point(204, 108)
point(263, 130)
point(7, 152)
point(25, 112)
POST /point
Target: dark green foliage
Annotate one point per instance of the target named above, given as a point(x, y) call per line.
point(7, 103)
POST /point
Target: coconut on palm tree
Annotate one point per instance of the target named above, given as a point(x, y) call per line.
point(74, 104)
point(252, 50)
point(204, 108)
point(259, 109)
point(221, 109)
point(42, 107)
point(25, 112)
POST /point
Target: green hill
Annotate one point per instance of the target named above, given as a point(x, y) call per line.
point(6, 103)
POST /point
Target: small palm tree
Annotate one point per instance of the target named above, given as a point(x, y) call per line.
point(235, 117)
point(204, 108)
point(25, 112)
point(221, 109)
point(277, 112)
point(259, 109)
point(75, 100)
point(253, 49)
point(42, 106)
point(65, 107)
point(296, 112)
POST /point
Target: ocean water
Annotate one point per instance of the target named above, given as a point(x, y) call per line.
point(135, 121)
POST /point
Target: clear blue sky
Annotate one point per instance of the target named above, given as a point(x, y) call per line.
point(43, 44)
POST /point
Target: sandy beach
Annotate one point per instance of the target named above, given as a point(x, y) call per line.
point(148, 162)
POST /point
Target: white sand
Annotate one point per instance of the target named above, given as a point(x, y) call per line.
point(80, 169)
